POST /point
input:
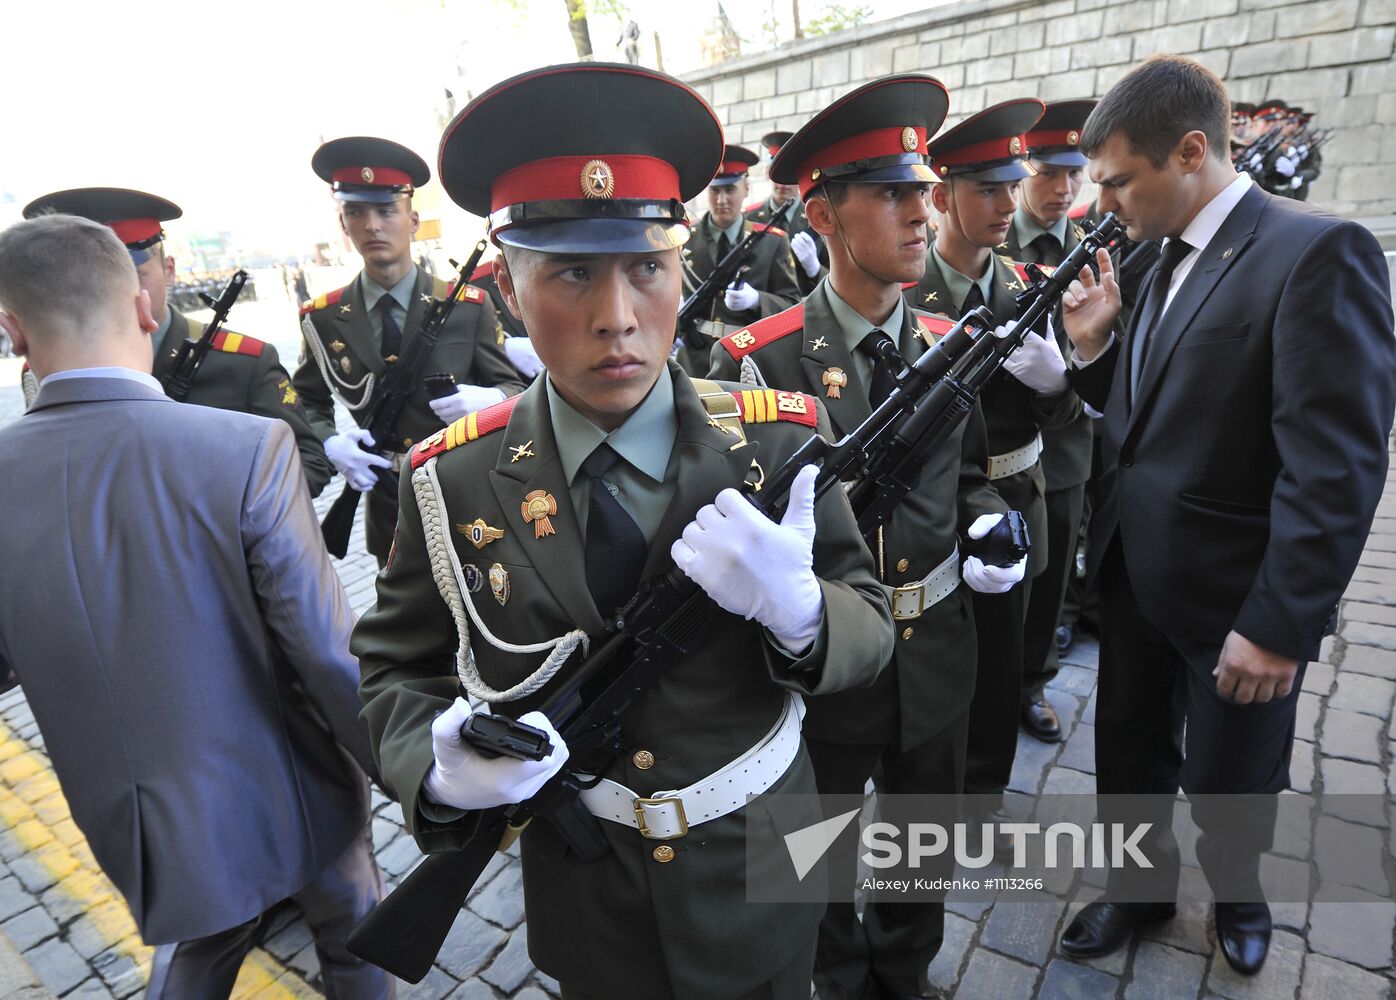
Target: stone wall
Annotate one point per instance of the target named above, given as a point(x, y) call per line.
point(1334, 57)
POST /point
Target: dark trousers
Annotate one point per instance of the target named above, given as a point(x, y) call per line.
point(895, 942)
point(998, 687)
point(380, 522)
point(341, 895)
point(1048, 589)
point(1151, 684)
point(789, 983)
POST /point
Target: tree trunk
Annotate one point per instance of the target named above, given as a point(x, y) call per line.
point(795, 17)
point(577, 24)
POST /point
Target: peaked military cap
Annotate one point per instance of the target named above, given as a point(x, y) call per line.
point(1271, 109)
point(583, 158)
point(774, 140)
point(876, 133)
point(134, 216)
point(365, 168)
point(1242, 108)
point(1056, 138)
point(736, 162)
point(988, 146)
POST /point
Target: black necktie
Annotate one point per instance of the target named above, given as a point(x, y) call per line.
point(724, 247)
point(390, 343)
point(884, 378)
point(1173, 253)
point(615, 546)
point(1045, 249)
point(973, 300)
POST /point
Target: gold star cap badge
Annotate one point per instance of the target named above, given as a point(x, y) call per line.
point(598, 180)
point(1015, 145)
point(1073, 137)
point(909, 139)
point(367, 174)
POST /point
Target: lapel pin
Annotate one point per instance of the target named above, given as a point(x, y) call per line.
point(835, 379)
point(524, 450)
point(345, 365)
point(818, 343)
point(1226, 253)
point(499, 583)
point(537, 508)
point(930, 297)
point(336, 345)
point(474, 579)
point(480, 533)
point(426, 299)
point(346, 309)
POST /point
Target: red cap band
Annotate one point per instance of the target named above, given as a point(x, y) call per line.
point(135, 230)
point(730, 167)
point(1005, 147)
point(570, 177)
point(864, 146)
point(374, 176)
point(1052, 137)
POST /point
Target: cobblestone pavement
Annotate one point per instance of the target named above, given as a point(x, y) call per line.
point(58, 910)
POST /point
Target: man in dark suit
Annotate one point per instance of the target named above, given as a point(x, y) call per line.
point(200, 707)
point(1246, 419)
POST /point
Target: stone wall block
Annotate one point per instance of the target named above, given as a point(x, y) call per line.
point(726, 90)
point(872, 60)
point(1105, 51)
point(1197, 10)
point(989, 70)
point(1268, 57)
point(1303, 88)
point(1316, 18)
point(1344, 48)
point(794, 76)
point(1180, 38)
point(1075, 28)
point(830, 68)
point(1023, 37)
point(1031, 64)
point(1379, 12)
point(1122, 18)
point(906, 58)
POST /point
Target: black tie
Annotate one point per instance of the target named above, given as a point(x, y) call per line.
point(1044, 248)
point(1173, 252)
point(973, 300)
point(884, 378)
point(615, 546)
point(390, 343)
point(724, 247)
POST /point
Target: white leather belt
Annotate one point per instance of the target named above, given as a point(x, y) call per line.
point(667, 815)
point(913, 599)
point(1013, 462)
point(397, 458)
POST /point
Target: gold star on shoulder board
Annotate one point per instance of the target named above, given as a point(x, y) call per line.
point(818, 343)
point(345, 309)
point(524, 450)
point(931, 297)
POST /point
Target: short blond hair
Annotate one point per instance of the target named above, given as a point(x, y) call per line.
point(60, 272)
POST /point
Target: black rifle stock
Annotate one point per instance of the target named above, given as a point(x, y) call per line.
point(698, 306)
point(391, 392)
point(405, 931)
point(192, 353)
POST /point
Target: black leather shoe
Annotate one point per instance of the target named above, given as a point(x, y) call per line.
point(1101, 928)
point(1066, 638)
point(1243, 931)
point(1040, 720)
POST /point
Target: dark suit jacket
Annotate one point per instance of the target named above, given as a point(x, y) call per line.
point(183, 642)
point(1243, 480)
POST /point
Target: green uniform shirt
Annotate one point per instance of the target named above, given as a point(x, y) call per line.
point(1026, 229)
point(854, 327)
point(400, 295)
point(960, 284)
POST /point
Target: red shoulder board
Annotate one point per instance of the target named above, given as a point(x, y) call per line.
point(24, 368)
point(753, 206)
point(237, 343)
point(1021, 270)
point(466, 429)
point(328, 299)
point(473, 294)
point(761, 227)
point(485, 270)
point(908, 285)
point(764, 406)
point(764, 331)
point(1079, 212)
point(937, 325)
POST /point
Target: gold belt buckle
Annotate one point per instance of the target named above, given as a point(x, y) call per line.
point(645, 832)
point(920, 590)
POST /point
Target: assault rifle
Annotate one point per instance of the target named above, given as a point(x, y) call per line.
point(699, 305)
point(192, 353)
point(587, 702)
point(391, 392)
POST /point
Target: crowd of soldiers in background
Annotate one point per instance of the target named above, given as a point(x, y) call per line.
point(186, 289)
point(1278, 146)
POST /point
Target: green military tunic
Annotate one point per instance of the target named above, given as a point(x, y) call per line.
point(626, 925)
point(346, 340)
point(245, 374)
point(930, 679)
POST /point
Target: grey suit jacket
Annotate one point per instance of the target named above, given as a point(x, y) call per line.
point(168, 607)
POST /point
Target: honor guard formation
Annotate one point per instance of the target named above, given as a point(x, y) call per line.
point(675, 513)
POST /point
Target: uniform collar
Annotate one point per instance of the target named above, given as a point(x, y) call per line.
point(1027, 229)
point(959, 284)
point(1208, 221)
point(129, 374)
point(645, 440)
point(734, 231)
point(401, 292)
point(854, 325)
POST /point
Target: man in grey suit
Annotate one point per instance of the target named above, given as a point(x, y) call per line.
point(179, 633)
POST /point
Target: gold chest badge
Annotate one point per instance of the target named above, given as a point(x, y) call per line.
point(835, 379)
point(537, 509)
point(480, 533)
point(499, 584)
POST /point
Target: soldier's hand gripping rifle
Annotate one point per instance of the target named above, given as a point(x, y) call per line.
point(950, 401)
point(586, 702)
point(699, 305)
point(192, 353)
point(391, 392)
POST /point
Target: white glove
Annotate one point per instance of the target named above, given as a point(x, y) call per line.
point(990, 579)
point(464, 779)
point(806, 252)
point(522, 356)
point(753, 567)
point(1296, 183)
point(1038, 364)
point(466, 399)
point(740, 296)
point(353, 463)
point(1286, 165)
